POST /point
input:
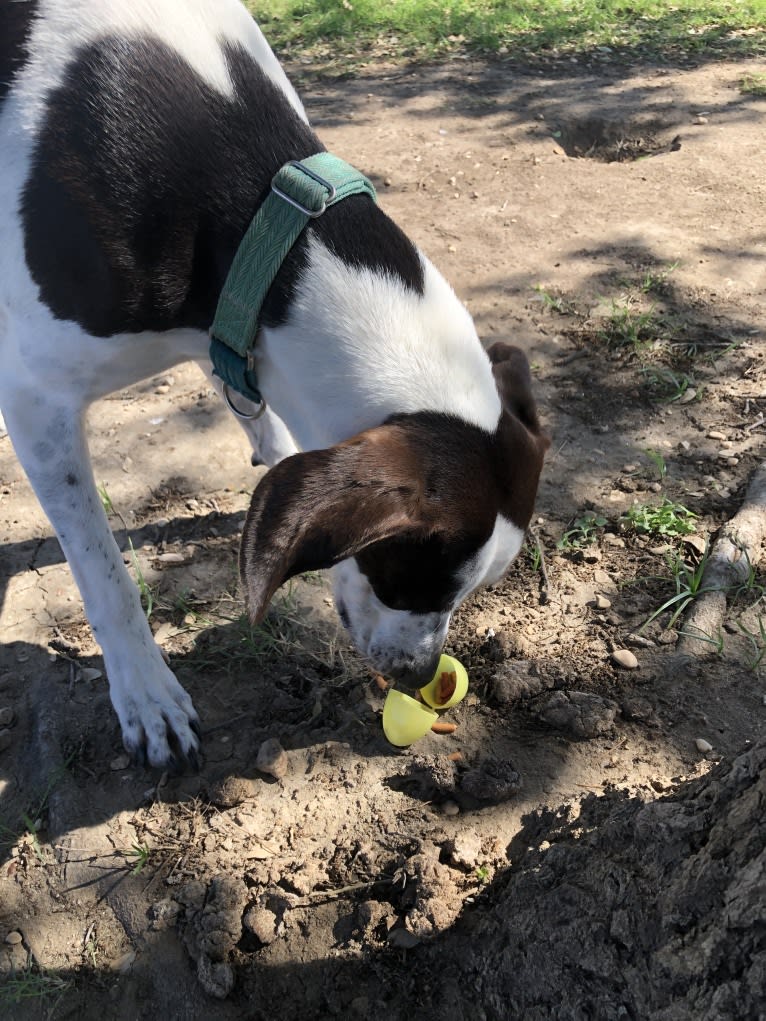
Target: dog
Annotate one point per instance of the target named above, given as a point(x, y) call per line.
point(137, 141)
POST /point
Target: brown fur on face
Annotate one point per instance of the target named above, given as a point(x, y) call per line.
point(412, 499)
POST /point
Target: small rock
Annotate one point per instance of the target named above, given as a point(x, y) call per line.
point(231, 791)
point(625, 659)
point(272, 758)
point(121, 762)
point(715, 434)
point(703, 746)
point(614, 540)
point(464, 850)
point(602, 603)
point(163, 388)
point(449, 808)
point(262, 923)
point(654, 487)
point(7, 717)
point(90, 673)
point(689, 394)
point(13, 938)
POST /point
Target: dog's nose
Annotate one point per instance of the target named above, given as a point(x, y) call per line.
point(415, 675)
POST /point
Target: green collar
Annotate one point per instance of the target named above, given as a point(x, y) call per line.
point(300, 191)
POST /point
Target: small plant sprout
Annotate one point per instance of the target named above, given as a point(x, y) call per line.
point(656, 280)
point(582, 532)
point(756, 640)
point(626, 326)
point(106, 500)
point(482, 873)
point(658, 461)
point(668, 519)
point(668, 386)
point(555, 302)
point(140, 854)
point(687, 579)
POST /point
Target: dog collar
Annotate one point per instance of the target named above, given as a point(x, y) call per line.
point(300, 191)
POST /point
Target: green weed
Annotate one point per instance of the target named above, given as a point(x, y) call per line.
point(145, 590)
point(31, 984)
point(582, 532)
point(627, 326)
point(756, 640)
point(656, 280)
point(753, 85)
point(140, 855)
point(667, 386)
point(555, 302)
point(658, 461)
point(668, 519)
point(687, 578)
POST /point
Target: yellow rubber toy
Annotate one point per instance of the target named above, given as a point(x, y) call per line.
point(447, 665)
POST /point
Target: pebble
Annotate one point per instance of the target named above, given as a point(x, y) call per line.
point(703, 745)
point(7, 717)
point(13, 938)
point(450, 808)
point(714, 434)
point(689, 394)
point(272, 758)
point(121, 762)
point(163, 388)
point(625, 658)
point(602, 603)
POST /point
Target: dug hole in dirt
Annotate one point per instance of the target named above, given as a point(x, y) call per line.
point(589, 843)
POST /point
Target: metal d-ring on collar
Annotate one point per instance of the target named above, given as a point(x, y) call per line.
point(244, 415)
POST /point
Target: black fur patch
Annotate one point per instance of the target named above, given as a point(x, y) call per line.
point(16, 17)
point(146, 178)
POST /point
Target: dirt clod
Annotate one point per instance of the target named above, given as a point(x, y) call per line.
point(579, 714)
point(272, 758)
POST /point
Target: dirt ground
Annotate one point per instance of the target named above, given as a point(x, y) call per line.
point(609, 221)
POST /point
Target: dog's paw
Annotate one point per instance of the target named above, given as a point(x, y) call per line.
point(159, 722)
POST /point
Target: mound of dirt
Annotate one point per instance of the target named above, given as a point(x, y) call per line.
point(626, 910)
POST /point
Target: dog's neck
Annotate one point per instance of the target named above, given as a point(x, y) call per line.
point(358, 345)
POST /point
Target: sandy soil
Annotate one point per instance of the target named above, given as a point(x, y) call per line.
point(551, 199)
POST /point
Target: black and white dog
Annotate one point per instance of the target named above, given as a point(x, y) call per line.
point(137, 138)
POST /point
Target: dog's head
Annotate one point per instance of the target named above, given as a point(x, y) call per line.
point(416, 514)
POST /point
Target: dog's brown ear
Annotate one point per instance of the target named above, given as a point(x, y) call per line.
point(314, 509)
point(514, 382)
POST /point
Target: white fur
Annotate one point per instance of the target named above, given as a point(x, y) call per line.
point(426, 353)
point(315, 372)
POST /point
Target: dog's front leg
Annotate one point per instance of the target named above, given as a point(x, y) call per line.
point(157, 717)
